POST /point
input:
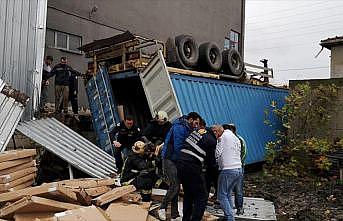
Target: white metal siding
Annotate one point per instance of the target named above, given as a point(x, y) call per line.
point(22, 37)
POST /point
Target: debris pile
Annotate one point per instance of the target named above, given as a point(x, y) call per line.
point(17, 169)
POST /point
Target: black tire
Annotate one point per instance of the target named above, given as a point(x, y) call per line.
point(188, 50)
point(232, 62)
point(172, 54)
point(210, 57)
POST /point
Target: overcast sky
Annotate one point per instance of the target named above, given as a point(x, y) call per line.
point(288, 32)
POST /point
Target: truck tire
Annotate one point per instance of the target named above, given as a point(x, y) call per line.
point(210, 58)
point(232, 62)
point(173, 59)
point(188, 50)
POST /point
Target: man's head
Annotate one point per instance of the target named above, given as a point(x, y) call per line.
point(128, 122)
point(138, 147)
point(231, 127)
point(63, 60)
point(162, 117)
point(217, 130)
point(48, 60)
point(193, 119)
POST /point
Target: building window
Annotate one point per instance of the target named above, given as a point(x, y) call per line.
point(64, 41)
point(232, 40)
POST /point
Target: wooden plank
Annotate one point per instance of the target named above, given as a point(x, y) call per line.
point(87, 183)
point(9, 185)
point(114, 194)
point(97, 191)
point(17, 154)
point(131, 198)
point(31, 216)
point(90, 213)
point(128, 212)
point(34, 204)
point(50, 191)
point(16, 175)
point(12, 163)
point(193, 73)
point(17, 168)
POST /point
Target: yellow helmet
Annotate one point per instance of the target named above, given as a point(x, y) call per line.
point(138, 147)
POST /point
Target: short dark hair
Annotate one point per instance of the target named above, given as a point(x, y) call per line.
point(193, 115)
point(128, 117)
point(202, 122)
point(226, 126)
point(63, 58)
point(231, 127)
point(49, 58)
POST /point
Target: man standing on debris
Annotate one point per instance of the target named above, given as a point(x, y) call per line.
point(73, 90)
point(45, 81)
point(62, 72)
point(136, 171)
point(157, 129)
point(228, 156)
point(191, 167)
point(123, 137)
point(238, 189)
point(180, 130)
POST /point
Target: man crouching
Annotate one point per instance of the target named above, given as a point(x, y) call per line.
point(138, 171)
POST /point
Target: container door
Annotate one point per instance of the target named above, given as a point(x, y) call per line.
point(158, 88)
point(103, 108)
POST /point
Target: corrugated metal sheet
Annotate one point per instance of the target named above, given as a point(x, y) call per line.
point(158, 88)
point(103, 108)
point(224, 102)
point(12, 105)
point(70, 146)
point(22, 30)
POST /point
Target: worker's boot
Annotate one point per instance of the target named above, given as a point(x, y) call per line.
point(162, 214)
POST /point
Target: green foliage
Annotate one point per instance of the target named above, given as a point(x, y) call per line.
point(301, 148)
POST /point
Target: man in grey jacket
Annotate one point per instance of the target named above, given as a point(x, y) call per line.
point(228, 157)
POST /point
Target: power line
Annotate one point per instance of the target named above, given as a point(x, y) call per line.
point(302, 21)
point(283, 17)
point(285, 10)
point(301, 69)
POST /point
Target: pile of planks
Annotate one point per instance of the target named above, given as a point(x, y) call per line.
point(79, 199)
point(17, 169)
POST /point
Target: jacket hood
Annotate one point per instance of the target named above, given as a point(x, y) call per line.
point(183, 121)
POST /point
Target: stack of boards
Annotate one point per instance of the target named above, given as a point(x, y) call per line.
point(17, 169)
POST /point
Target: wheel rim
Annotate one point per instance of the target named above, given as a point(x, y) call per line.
point(187, 48)
point(236, 63)
point(213, 56)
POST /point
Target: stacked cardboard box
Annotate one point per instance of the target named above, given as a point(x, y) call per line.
point(17, 169)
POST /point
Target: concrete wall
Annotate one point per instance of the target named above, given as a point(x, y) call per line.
point(203, 19)
point(336, 113)
point(337, 62)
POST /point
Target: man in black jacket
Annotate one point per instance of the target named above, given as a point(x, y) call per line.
point(45, 81)
point(157, 129)
point(123, 136)
point(62, 72)
point(191, 166)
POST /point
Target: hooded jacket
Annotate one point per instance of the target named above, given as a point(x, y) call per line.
point(175, 139)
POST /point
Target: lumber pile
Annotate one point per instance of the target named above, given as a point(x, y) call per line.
point(17, 169)
point(79, 199)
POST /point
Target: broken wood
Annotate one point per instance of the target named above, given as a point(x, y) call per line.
point(150, 218)
point(114, 194)
point(90, 213)
point(128, 212)
point(13, 163)
point(16, 175)
point(17, 154)
point(33, 204)
point(97, 191)
point(18, 168)
point(83, 198)
point(131, 198)
point(9, 185)
point(87, 183)
point(31, 216)
point(50, 191)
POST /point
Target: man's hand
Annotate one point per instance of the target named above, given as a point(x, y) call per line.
point(116, 144)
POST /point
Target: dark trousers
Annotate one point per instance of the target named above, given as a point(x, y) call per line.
point(170, 171)
point(195, 193)
point(74, 103)
point(211, 177)
point(119, 160)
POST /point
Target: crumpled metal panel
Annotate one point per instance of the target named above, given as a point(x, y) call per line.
point(12, 105)
point(220, 102)
point(70, 146)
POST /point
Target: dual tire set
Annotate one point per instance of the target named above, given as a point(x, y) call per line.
point(184, 52)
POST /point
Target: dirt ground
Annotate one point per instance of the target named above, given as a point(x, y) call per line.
point(298, 198)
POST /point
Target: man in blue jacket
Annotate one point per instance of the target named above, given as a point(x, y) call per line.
point(173, 144)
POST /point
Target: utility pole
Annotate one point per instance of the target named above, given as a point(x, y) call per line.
point(265, 64)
